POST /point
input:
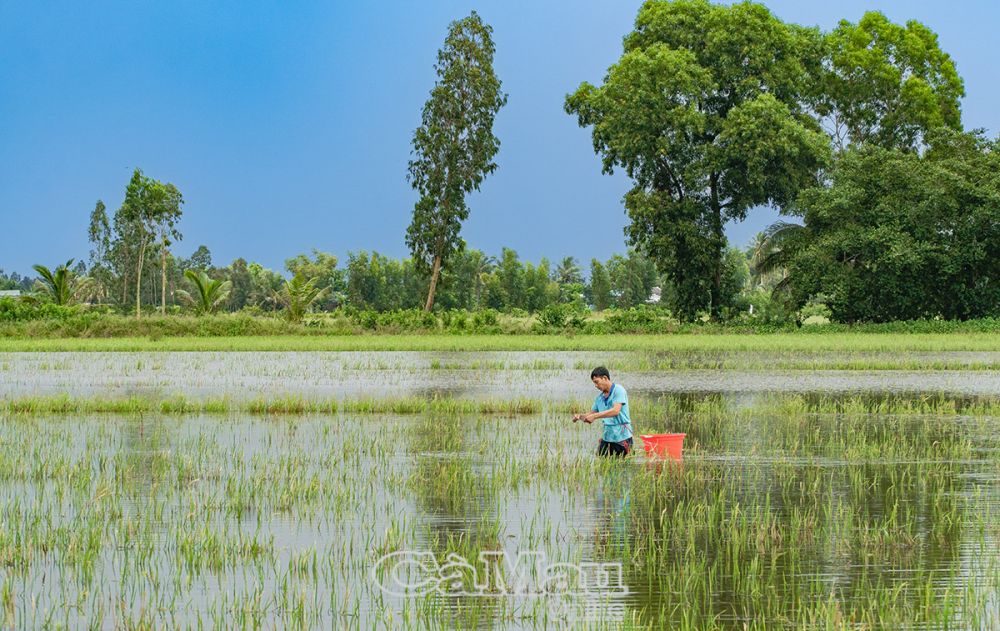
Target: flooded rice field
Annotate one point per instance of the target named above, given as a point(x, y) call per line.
point(817, 507)
point(489, 374)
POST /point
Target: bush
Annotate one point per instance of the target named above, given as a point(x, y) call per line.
point(815, 311)
point(560, 317)
point(642, 319)
point(22, 310)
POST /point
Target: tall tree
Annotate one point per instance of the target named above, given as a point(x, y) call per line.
point(600, 286)
point(454, 146)
point(166, 228)
point(99, 234)
point(706, 112)
point(149, 206)
point(887, 84)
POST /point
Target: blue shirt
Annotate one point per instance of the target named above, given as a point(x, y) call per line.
point(616, 428)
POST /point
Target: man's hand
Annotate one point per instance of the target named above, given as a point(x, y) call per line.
point(588, 418)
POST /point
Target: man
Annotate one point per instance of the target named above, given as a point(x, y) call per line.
point(612, 406)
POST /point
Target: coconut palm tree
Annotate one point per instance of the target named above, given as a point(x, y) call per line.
point(298, 295)
point(484, 266)
point(771, 254)
point(568, 271)
point(209, 293)
point(57, 284)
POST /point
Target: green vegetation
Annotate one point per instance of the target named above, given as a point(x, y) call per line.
point(901, 236)
point(454, 146)
point(894, 498)
point(712, 110)
point(706, 112)
point(209, 293)
point(656, 410)
point(277, 340)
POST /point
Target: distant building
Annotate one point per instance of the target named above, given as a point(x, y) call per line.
point(14, 293)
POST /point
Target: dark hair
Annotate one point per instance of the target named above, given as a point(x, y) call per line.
point(600, 371)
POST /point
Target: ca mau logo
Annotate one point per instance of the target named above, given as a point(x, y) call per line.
point(417, 573)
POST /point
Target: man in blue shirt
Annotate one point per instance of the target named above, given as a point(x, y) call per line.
point(612, 406)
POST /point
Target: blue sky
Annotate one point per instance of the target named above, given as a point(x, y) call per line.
point(287, 125)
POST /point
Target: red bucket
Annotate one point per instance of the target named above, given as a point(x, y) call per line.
point(663, 445)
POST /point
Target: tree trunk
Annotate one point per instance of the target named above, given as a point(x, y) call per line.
point(138, 281)
point(434, 279)
point(163, 279)
point(716, 306)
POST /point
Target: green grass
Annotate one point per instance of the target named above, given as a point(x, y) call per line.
point(774, 342)
point(652, 414)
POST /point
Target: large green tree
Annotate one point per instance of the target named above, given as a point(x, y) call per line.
point(706, 111)
point(899, 235)
point(454, 146)
point(886, 84)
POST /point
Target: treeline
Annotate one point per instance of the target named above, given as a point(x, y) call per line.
point(855, 135)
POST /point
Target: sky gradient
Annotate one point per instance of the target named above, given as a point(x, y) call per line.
point(287, 125)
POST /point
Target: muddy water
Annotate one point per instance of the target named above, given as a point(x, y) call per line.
point(528, 374)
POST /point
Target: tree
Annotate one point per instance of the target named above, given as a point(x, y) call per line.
point(510, 273)
point(299, 294)
point(58, 284)
point(770, 256)
point(265, 285)
point(201, 259)
point(898, 235)
point(454, 146)
point(166, 228)
point(887, 84)
point(600, 286)
point(150, 207)
point(242, 281)
point(209, 293)
point(568, 272)
point(632, 279)
point(99, 234)
point(322, 267)
point(706, 112)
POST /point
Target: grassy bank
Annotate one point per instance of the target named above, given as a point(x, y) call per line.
point(792, 341)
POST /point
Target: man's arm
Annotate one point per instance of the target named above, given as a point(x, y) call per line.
point(593, 416)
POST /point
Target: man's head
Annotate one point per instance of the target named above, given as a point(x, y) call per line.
point(601, 378)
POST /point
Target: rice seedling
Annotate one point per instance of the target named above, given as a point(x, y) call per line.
point(243, 510)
